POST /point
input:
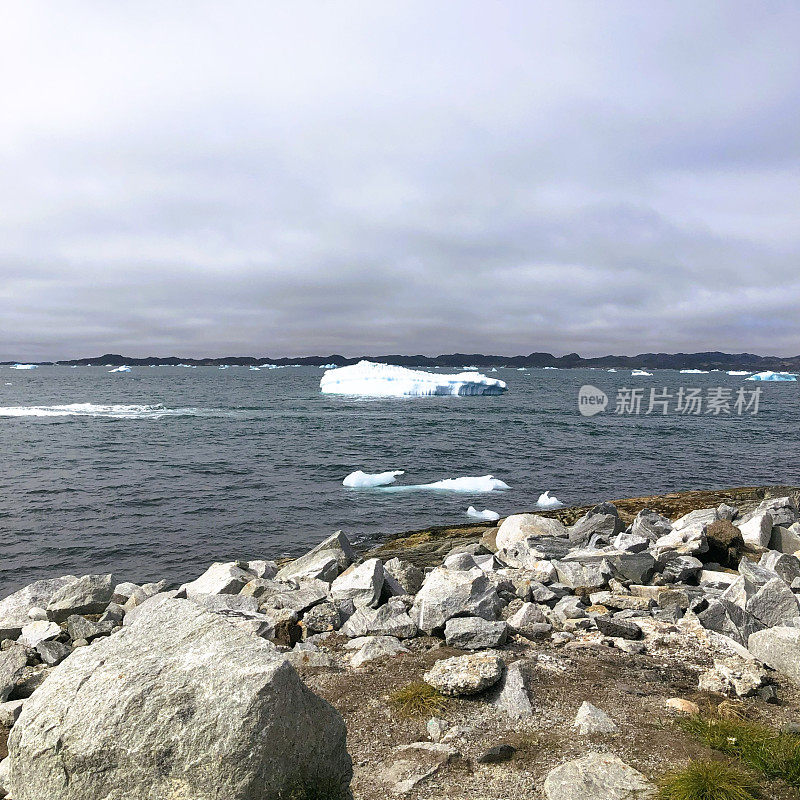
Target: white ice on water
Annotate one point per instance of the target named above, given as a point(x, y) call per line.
point(486, 514)
point(641, 373)
point(773, 376)
point(739, 372)
point(547, 501)
point(467, 484)
point(362, 480)
point(121, 369)
point(694, 372)
point(24, 366)
point(368, 379)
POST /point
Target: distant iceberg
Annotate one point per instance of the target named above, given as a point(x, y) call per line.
point(468, 485)
point(24, 366)
point(694, 372)
point(611, 370)
point(334, 366)
point(121, 369)
point(773, 376)
point(368, 379)
point(739, 372)
point(486, 514)
point(255, 369)
point(641, 373)
point(546, 501)
point(362, 480)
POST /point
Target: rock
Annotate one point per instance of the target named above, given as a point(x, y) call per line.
point(261, 569)
point(590, 720)
point(12, 662)
point(696, 520)
point(785, 539)
point(773, 603)
point(39, 631)
point(464, 675)
point(412, 763)
point(535, 553)
point(527, 621)
point(597, 776)
point(779, 648)
point(52, 653)
point(497, 754)
point(621, 628)
point(757, 531)
point(308, 593)
point(376, 647)
point(14, 609)
point(29, 680)
point(688, 542)
point(261, 588)
point(37, 614)
point(729, 619)
point(460, 561)
point(220, 578)
point(326, 561)
point(474, 633)
point(601, 522)
point(391, 619)
point(680, 569)
point(127, 717)
point(81, 628)
point(147, 606)
point(783, 510)
point(447, 594)
point(407, 575)
point(323, 617)
point(89, 594)
point(682, 706)
point(650, 525)
point(726, 512)
point(631, 542)
point(361, 584)
point(517, 527)
point(584, 577)
point(724, 542)
point(141, 593)
point(785, 566)
point(436, 728)
point(734, 675)
point(123, 591)
point(221, 603)
point(9, 711)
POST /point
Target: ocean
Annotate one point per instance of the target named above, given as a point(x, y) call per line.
point(158, 472)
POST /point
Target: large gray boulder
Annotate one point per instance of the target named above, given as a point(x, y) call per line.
point(228, 577)
point(361, 584)
point(778, 648)
point(89, 594)
point(597, 776)
point(650, 525)
point(463, 675)
point(520, 526)
point(601, 522)
point(14, 608)
point(179, 705)
point(326, 561)
point(454, 593)
point(12, 662)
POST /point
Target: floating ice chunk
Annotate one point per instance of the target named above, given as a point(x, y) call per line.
point(549, 367)
point(611, 370)
point(641, 373)
point(773, 376)
point(24, 366)
point(493, 369)
point(486, 514)
point(739, 372)
point(694, 372)
point(255, 369)
point(335, 366)
point(467, 484)
point(121, 369)
point(368, 379)
point(223, 366)
point(546, 501)
point(362, 480)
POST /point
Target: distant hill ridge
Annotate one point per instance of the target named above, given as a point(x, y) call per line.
point(710, 360)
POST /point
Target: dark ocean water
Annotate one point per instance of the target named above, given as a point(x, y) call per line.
point(200, 465)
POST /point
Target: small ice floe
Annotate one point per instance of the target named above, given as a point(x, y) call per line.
point(223, 366)
point(694, 372)
point(467, 484)
point(368, 379)
point(255, 369)
point(486, 514)
point(549, 367)
point(493, 369)
point(123, 368)
point(641, 373)
point(611, 370)
point(329, 366)
point(739, 372)
point(363, 480)
point(547, 501)
point(773, 376)
point(24, 366)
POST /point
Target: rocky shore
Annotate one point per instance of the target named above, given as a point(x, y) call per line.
point(554, 655)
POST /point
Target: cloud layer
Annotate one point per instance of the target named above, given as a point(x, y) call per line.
point(283, 179)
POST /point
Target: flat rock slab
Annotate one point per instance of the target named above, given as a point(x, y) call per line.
point(412, 763)
point(597, 776)
point(463, 675)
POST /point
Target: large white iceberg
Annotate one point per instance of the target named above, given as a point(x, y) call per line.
point(773, 376)
point(368, 379)
point(363, 480)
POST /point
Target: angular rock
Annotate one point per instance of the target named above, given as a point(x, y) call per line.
point(408, 575)
point(729, 619)
point(447, 594)
point(724, 542)
point(89, 594)
point(785, 539)
point(147, 606)
point(391, 619)
point(779, 648)
point(690, 541)
point(618, 628)
point(319, 562)
point(220, 578)
point(465, 675)
point(40, 631)
point(14, 609)
point(527, 621)
point(584, 577)
point(261, 569)
point(9, 712)
point(321, 618)
point(52, 653)
point(591, 721)
point(602, 522)
point(531, 552)
point(784, 566)
point(361, 584)
point(261, 588)
point(513, 691)
point(680, 569)
point(773, 603)
point(631, 542)
point(307, 594)
point(697, 520)
point(12, 662)
point(128, 718)
point(474, 633)
point(597, 776)
point(517, 527)
point(413, 763)
point(650, 525)
point(783, 510)
point(376, 647)
point(732, 674)
point(757, 530)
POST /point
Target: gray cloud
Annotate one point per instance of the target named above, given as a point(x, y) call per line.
point(269, 178)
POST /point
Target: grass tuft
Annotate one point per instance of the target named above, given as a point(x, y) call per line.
point(708, 780)
point(774, 754)
point(416, 699)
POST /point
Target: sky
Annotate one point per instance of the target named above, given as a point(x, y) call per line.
point(273, 178)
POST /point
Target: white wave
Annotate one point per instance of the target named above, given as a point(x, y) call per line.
point(121, 369)
point(773, 376)
point(546, 501)
point(739, 372)
point(368, 379)
point(24, 366)
point(486, 514)
point(96, 410)
point(641, 373)
point(694, 372)
point(362, 480)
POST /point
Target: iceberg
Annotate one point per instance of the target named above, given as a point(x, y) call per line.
point(611, 370)
point(547, 501)
point(694, 372)
point(121, 369)
point(368, 379)
point(363, 480)
point(467, 484)
point(255, 369)
point(641, 373)
point(739, 372)
point(486, 514)
point(773, 376)
point(24, 366)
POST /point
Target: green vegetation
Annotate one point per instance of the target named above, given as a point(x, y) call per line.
point(708, 780)
point(416, 699)
point(776, 755)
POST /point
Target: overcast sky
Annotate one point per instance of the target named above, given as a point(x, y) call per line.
point(289, 178)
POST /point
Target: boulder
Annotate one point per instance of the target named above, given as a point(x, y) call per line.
point(447, 594)
point(39, 631)
point(784, 566)
point(408, 575)
point(584, 577)
point(465, 675)
point(773, 603)
point(14, 609)
point(591, 721)
point(9, 712)
point(602, 522)
point(696, 521)
point(12, 662)
point(411, 764)
point(326, 561)
point(530, 553)
point(778, 648)
point(513, 691)
point(618, 628)
point(89, 594)
point(52, 653)
point(783, 510)
point(631, 542)
point(361, 584)
point(375, 647)
point(597, 776)
point(309, 592)
point(730, 620)
point(323, 617)
point(527, 621)
point(650, 525)
point(260, 568)
point(182, 705)
point(680, 569)
point(391, 619)
point(724, 542)
point(220, 578)
point(474, 633)
point(517, 527)
point(735, 675)
point(756, 530)
point(785, 539)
